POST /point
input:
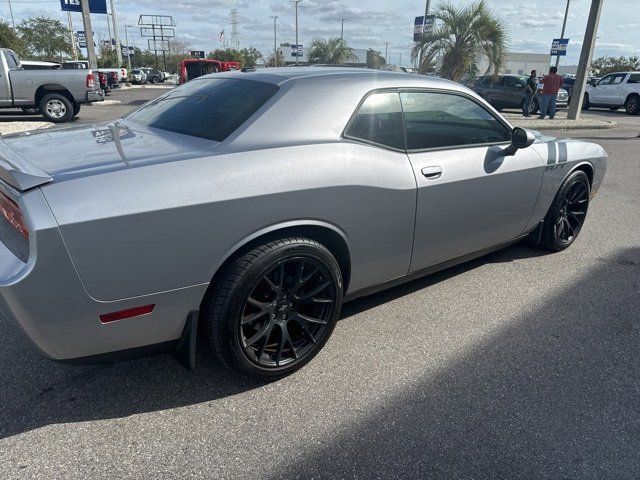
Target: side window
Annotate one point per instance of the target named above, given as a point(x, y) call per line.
point(634, 78)
point(379, 120)
point(11, 60)
point(512, 82)
point(437, 120)
point(617, 79)
point(606, 80)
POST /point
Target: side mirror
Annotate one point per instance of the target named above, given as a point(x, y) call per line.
point(520, 138)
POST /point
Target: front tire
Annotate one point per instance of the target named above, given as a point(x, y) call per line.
point(274, 307)
point(56, 108)
point(632, 105)
point(567, 213)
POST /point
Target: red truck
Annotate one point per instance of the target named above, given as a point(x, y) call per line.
point(196, 67)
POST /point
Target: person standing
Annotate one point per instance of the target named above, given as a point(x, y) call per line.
point(551, 84)
point(531, 89)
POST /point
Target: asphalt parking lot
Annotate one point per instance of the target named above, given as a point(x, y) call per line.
point(522, 364)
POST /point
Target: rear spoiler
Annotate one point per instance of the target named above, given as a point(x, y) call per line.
point(19, 173)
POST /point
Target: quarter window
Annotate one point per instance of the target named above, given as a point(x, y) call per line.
point(438, 120)
point(379, 120)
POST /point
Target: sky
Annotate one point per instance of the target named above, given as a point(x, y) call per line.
point(368, 23)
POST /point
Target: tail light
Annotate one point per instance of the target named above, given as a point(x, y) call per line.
point(12, 214)
point(91, 80)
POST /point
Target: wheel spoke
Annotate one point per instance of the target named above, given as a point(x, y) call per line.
point(308, 319)
point(267, 335)
point(272, 285)
point(253, 317)
point(308, 277)
point(313, 292)
point(284, 339)
point(257, 303)
point(266, 328)
point(570, 229)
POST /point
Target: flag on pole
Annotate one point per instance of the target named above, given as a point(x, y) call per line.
point(221, 35)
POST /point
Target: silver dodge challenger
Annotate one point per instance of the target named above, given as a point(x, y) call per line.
point(248, 206)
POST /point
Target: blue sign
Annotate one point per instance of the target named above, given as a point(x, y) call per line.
point(559, 46)
point(95, 6)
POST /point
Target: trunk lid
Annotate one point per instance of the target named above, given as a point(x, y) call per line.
point(32, 159)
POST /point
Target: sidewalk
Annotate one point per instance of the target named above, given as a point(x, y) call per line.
point(560, 122)
point(15, 127)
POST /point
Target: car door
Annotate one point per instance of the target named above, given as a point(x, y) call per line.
point(605, 91)
point(512, 92)
point(470, 195)
point(5, 82)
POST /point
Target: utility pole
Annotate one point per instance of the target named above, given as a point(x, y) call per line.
point(575, 106)
point(126, 39)
point(296, 2)
point(13, 22)
point(342, 30)
point(400, 60)
point(386, 49)
point(275, 48)
point(426, 12)
point(564, 24)
point(88, 32)
point(72, 37)
point(116, 34)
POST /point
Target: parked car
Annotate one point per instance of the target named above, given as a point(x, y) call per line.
point(614, 91)
point(56, 94)
point(197, 67)
point(200, 207)
point(153, 75)
point(509, 91)
point(104, 84)
point(121, 73)
point(138, 76)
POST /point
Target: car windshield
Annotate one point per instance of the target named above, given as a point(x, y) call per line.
point(205, 108)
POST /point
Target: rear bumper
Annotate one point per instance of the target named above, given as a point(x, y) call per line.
point(47, 301)
point(95, 96)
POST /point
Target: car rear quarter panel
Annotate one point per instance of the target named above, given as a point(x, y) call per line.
point(169, 226)
point(562, 157)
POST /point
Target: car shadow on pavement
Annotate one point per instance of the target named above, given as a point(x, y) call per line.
point(555, 393)
point(36, 392)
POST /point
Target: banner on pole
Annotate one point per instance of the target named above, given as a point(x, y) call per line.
point(95, 6)
point(422, 26)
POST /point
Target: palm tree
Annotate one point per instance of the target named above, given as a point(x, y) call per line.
point(462, 36)
point(335, 50)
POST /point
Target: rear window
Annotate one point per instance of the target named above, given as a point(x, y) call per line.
point(208, 108)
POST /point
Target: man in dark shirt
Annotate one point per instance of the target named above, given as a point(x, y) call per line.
point(551, 84)
point(531, 89)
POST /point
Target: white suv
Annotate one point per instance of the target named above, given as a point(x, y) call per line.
point(616, 90)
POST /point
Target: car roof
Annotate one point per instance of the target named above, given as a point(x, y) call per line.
point(281, 75)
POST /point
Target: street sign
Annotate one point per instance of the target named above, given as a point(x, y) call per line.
point(82, 39)
point(95, 6)
point(197, 53)
point(126, 50)
point(559, 46)
point(422, 26)
point(297, 50)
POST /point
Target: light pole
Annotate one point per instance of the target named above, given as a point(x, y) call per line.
point(116, 34)
point(386, 49)
point(275, 48)
point(88, 32)
point(342, 30)
point(426, 12)
point(13, 22)
point(296, 2)
point(126, 39)
point(575, 105)
point(564, 24)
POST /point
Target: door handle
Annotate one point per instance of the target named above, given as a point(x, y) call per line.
point(432, 173)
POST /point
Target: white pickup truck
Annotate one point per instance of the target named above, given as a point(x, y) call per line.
point(616, 90)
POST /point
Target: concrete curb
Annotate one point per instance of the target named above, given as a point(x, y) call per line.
point(106, 103)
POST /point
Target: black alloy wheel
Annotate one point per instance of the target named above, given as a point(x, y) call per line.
point(567, 212)
point(274, 307)
point(287, 312)
point(632, 105)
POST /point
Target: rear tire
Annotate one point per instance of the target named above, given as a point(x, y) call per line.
point(567, 213)
point(56, 108)
point(76, 109)
point(274, 307)
point(632, 105)
point(586, 104)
